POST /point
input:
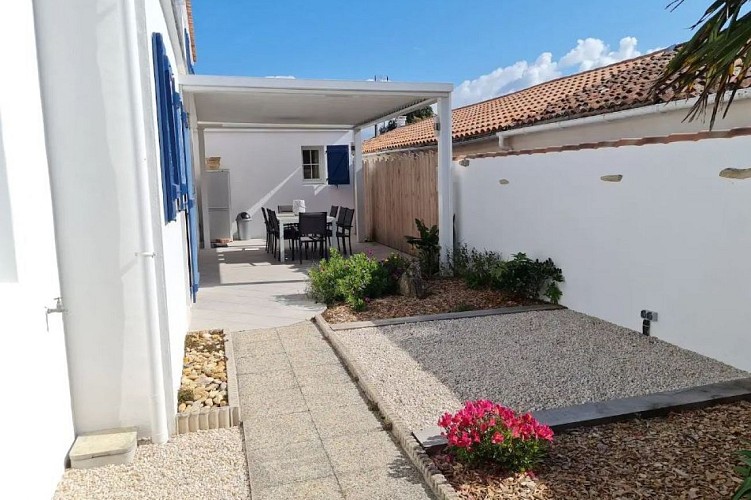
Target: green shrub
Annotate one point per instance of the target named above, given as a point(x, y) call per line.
point(428, 248)
point(324, 277)
point(476, 268)
point(352, 280)
point(527, 278)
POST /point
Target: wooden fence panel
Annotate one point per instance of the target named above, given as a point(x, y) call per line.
point(399, 188)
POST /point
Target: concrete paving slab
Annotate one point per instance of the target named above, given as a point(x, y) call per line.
point(320, 375)
point(357, 452)
point(399, 481)
point(259, 364)
point(279, 430)
point(278, 465)
point(258, 405)
point(346, 420)
point(313, 357)
point(266, 382)
point(332, 396)
point(264, 334)
point(326, 488)
point(261, 348)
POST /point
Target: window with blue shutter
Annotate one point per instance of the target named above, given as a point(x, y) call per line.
point(178, 189)
point(337, 164)
point(188, 54)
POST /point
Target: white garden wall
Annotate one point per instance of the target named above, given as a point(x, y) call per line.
point(673, 236)
point(266, 170)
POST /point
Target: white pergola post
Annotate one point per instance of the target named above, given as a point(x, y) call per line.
point(445, 181)
point(205, 230)
point(359, 182)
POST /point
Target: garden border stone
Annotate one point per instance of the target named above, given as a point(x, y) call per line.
point(441, 316)
point(437, 482)
point(616, 410)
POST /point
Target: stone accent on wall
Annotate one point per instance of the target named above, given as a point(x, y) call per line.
point(503, 182)
point(736, 173)
point(612, 178)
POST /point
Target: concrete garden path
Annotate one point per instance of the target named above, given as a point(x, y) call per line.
point(308, 432)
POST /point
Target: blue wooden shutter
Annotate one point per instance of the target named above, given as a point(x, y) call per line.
point(337, 162)
point(163, 90)
point(192, 211)
point(188, 53)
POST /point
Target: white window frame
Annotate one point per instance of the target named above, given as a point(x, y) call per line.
point(321, 179)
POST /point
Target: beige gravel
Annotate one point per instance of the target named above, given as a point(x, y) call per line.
point(204, 464)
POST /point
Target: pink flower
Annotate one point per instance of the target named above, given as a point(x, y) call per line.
point(497, 438)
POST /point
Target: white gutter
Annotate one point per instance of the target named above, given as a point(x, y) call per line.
point(608, 117)
point(147, 255)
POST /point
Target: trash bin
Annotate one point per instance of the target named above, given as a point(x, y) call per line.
point(243, 225)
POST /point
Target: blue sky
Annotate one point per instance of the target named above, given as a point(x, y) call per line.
point(486, 48)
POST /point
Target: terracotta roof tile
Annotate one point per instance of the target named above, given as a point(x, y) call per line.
point(603, 90)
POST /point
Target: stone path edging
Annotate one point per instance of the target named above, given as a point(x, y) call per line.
point(233, 394)
point(420, 459)
point(442, 316)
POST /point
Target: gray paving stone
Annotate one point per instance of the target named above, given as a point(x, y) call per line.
point(277, 465)
point(261, 404)
point(271, 381)
point(260, 348)
point(310, 357)
point(398, 481)
point(318, 375)
point(304, 343)
point(326, 488)
point(332, 395)
point(262, 335)
point(356, 452)
point(279, 430)
point(258, 364)
point(302, 328)
point(354, 419)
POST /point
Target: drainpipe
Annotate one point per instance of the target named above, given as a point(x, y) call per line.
point(147, 255)
point(608, 117)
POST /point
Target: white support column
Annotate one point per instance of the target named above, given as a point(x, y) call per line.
point(203, 196)
point(445, 181)
point(359, 182)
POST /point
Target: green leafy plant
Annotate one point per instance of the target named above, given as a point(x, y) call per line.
point(394, 266)
point(428, 248)
point(528, 278)
point(744, 490)
point(477, 268)
point(354, 280)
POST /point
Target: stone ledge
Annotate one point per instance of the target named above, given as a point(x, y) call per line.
point(442, 316)
point(107, 447)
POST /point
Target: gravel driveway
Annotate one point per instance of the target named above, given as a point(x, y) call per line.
point(528, 361)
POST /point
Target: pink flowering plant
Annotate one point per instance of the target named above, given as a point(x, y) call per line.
point(484, 431)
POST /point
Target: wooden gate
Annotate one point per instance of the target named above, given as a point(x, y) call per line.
point(399, 188)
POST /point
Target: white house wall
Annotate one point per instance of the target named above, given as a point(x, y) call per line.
point(36, 438)
point(673, 236)
point(93, 164)
point(175, 293)
point(266, 170)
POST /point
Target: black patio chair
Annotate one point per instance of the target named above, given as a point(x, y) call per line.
point(344, 228)
point(311, 230)
point(290, 234)
point(268, 229)
point(329, 225)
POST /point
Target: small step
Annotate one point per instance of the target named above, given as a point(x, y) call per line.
point(108, 447)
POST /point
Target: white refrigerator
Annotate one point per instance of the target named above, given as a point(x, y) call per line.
point(218, 194)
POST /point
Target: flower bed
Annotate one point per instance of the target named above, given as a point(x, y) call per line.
point(443, 295)
point(684, 455)
point(204, 379)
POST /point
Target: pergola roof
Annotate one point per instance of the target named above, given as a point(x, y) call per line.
point(228, 101)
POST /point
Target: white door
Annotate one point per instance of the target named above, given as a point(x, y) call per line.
point(37, 436)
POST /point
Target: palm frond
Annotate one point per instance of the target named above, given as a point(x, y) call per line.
point(713, 62)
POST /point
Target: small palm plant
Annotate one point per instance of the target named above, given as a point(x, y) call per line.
point(714, 61)
point(744, 490)
point(428, 248)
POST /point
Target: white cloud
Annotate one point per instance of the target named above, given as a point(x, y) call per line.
point(284, 77)
point(589, 53)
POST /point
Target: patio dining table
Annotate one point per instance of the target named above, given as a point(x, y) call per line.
point(289, 219)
